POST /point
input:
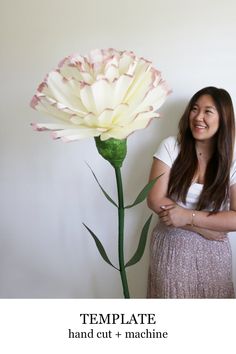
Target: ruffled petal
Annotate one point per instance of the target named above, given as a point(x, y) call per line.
point(105, 119)
point(102, 93)
point(49, 126)
point(120, 88)
point(140, 85)
point(43, 104)
point(141, 121)
point(127, 60)
point(90, 120)
point(107, 92)
point(87, 99)
point(64, 91)
point(72, 72)
point(75, 134)
point(111, 70)
point(155, 97)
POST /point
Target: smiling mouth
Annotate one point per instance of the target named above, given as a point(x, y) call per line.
point(200, 126)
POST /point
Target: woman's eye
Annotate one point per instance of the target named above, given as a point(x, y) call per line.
point(208, 111)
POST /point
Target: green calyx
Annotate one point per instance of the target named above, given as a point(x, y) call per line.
point(113, 150)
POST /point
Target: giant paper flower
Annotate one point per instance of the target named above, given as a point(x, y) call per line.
point(106, 94)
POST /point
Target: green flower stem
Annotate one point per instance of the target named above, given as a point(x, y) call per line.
point(121, 216)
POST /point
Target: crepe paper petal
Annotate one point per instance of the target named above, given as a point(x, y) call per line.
point(143, 194)
point(105, 119)
point(138, 90)
point(96, 55)
point(112, 72)
point(75, 134)
point(126, 60)
point(75, 137)
point(48, 126)
point(142, 244)
point(100, 247)
point(90, 120)
point(137, 123)
point(154, 97)
point(72, 72)
point(103, 190)
point(110, 91)
point(120, 88)
point(87, 99)
point(76, 120)
point(121, 115)
point(65, 91)
point(43, 104)
point(102, 95)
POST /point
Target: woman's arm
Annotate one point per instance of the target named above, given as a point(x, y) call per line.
point(223, 221)
point(157, 199)
point(206, 233)
point(158, 194)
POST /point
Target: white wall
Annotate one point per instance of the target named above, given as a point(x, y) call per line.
point(47, 190)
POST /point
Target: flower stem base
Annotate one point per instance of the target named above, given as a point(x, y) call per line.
point(113, 150)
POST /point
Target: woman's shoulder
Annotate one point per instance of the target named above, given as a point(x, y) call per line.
point(170, 143)
point(168, 150)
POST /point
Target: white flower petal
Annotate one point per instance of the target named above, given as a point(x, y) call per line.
point(121, 114)
point(71, 71)
point(138, 88)
point(76, 120)
point(122, 118)
point(107, 93)
point(95, 56)
point(155, 98)
point(65, 91)
point(49, 126)
point(87, 99)
point(111, 72)
point(125, 61)
point(102, 95)
point(105, 119)
point(120, 88)
point(140, 122)
point(75, 134)
point(45, 106)
point(90, 120)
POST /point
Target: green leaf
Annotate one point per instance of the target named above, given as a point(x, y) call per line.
point(143, 194)
point(104, 192)
point(100, 247)
point(142, 243)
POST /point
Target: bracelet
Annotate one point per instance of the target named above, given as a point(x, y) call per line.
point(193, 214)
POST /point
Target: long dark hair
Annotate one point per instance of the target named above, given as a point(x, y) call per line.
point(217, 177)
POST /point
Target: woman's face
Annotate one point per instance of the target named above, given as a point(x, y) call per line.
point(204, 118)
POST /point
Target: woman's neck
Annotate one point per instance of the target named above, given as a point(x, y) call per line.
point(204, 149)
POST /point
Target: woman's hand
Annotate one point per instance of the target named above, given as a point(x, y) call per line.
point(208, 234)
point(175, 215)
point(213, 235)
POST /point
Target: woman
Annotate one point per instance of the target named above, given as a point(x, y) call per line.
point(195, 199)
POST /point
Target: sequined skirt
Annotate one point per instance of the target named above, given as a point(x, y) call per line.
point(184, 264)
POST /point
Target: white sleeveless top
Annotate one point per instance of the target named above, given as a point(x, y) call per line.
point(167, 152)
